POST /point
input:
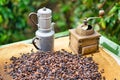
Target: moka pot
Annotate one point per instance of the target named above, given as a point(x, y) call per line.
point(44, 39)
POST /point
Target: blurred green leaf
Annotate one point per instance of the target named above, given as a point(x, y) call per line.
point(1, 19)
point(119, 14)
point(26, 2)
point(62, 25)
point(96, 27)
point(88, 3)
point(2, 2)
point(113, 10)
point(65, 8)
point(107, 19)
point(56, 16)
point(103, 23)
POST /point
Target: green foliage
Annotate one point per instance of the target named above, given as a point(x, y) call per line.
point(66, 14)
point(110, 23)
point(2, 2)
point(13, 20)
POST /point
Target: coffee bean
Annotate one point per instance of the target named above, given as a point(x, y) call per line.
point(1, 78)
point(59, 65)
point(102, 71)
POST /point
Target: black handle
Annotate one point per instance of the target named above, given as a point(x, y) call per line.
point(34, 43)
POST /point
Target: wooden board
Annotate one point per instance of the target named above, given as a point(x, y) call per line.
point(105, 61)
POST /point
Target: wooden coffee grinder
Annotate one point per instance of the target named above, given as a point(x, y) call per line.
point(84, 39)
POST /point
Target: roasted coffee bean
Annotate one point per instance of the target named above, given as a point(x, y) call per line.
point(102, 71)
point(59, 65)
point(13, 58)
point(1, 78)
point(104, 78)
point(115, 79)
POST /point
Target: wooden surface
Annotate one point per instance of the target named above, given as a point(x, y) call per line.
point(106, 62)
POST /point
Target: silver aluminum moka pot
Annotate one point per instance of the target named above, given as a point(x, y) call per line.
point(44, 39)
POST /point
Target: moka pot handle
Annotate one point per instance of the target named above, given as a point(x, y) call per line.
point(31, 15)
point(34, 43)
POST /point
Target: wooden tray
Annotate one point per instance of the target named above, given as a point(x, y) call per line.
point(105, 61)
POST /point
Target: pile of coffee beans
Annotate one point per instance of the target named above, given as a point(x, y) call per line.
point(1, 78)
point(59, 65)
